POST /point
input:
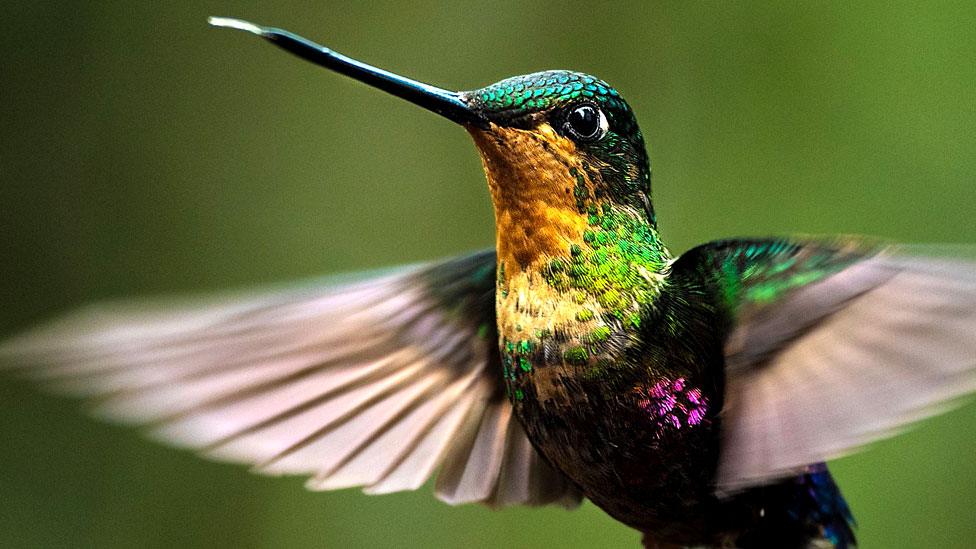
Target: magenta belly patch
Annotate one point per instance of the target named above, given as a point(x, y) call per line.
point(672, 404)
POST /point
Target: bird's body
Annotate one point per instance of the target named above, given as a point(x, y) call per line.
point(612, 353)
point(627, 405)
point(692, 397)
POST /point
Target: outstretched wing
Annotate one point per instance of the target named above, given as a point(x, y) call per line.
point(375, 383)
point(833, 344)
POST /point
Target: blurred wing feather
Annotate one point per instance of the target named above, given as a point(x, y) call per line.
point(898, 352)
point(375, 383)
point(833, 344)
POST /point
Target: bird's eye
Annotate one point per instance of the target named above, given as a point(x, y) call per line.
point(586, 123)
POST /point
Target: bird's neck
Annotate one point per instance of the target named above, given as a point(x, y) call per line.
point(575, 312)
point(573, 263)
point(549, 198)
point(609, 264)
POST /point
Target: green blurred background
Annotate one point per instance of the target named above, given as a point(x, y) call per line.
point(144, 153)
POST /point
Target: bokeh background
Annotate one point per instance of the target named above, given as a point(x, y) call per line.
point(145, 153)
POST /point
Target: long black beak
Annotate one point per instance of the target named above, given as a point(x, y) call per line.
point(448, 104)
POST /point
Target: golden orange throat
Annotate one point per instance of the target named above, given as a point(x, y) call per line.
point(534, 177)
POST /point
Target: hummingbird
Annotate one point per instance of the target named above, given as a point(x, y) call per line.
point(693, 397)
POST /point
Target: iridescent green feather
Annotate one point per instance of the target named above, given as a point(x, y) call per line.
point(539, 91)
point(753, 273)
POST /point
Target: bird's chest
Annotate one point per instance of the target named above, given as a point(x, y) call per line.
point(631, 424)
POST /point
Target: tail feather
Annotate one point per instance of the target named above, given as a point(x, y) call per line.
point(803, 512)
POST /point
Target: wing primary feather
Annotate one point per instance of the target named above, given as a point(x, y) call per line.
point(452, 393)
point(186, 406)
point(335, 422)
point(513, 477)
point(332, 357)
point(325, 480)
point(415, 467)
point(366, 375)
point(426, 388)
point(87, 357)
point(152, 377)
point(472, 476)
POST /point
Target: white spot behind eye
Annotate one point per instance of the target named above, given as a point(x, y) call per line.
point(604, 124)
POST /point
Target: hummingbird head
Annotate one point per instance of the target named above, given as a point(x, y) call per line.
point(557, 147)
point(564, 121)
point(562, 151)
